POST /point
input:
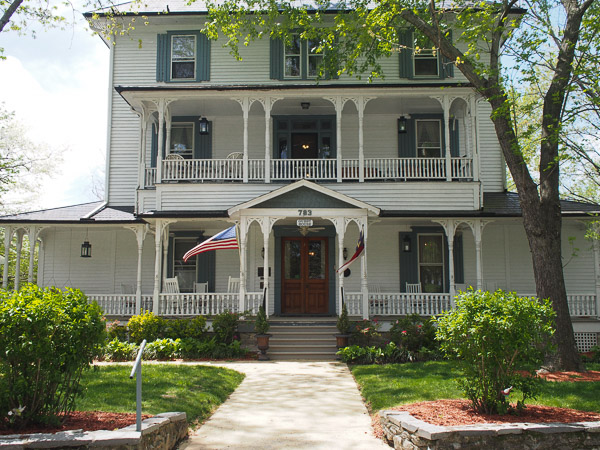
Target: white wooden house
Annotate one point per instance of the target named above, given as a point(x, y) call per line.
point(199, 141)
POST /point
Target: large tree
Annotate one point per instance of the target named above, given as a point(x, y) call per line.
point(354, 34)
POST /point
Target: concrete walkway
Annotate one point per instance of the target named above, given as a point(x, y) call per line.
point(285, 404)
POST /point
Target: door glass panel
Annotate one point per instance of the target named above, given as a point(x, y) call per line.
point(316, 260)
point(292, 260)
point(431, 263)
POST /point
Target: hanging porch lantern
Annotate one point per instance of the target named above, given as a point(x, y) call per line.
point(86, 247)
point(203, 125)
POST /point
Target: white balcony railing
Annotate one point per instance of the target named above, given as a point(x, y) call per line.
point(317, 169)
point(120, 304)
point(398, 304)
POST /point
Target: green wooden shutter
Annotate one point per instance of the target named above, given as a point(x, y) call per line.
point(446, 66)
point(162, 44)
point(409, 270)
point(459, 269)
point(405, 38)
point(153, 146)
point(276, 58)
point(202, 58)
point(407, 142)
point(454, 138)
point(205, 268)
point(203, 143)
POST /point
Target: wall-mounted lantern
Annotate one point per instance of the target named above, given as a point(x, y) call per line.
point(406, 244)
point(402, 125)
point(203, 125)
point(345, 253)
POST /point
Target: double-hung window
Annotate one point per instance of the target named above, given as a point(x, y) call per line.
point(431, 262)
point(182, 139)
point(293, 57)
point(425, 57)
point(315, 58)
point(183, 57)
point(296, 58)
point(429, 138)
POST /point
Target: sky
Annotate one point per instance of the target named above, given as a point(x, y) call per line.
point(57, 85)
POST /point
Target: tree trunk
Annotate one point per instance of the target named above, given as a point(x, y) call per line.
point(543, 223)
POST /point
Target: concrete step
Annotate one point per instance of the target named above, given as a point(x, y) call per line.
point(300, 340)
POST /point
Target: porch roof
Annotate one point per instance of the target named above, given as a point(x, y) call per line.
point(82, 213)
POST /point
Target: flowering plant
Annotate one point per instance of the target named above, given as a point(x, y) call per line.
point(365, 331)
point(413, 333)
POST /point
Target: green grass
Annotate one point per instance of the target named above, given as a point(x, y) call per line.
point(197, 390)
point(390, 385)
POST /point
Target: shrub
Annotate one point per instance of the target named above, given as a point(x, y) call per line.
point(162, 349)
point(194, 328)
point(373, 355)
point(413, 333)
point(343, 324)
point(261, 326)
point(211, 349)
point(365, 331)
point(116, 331)
point(117, 350)
point(47, 338)
point(225, 326)
point(497, 334)
point(146, 326)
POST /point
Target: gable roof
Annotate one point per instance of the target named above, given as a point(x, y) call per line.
point(85, 212)
point(308, 194)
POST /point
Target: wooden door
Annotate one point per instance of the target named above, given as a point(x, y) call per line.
point(304, 275)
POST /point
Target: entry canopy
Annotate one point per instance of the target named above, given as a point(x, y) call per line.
point(304, 194)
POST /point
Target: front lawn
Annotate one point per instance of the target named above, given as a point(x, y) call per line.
point(385, 386)
point(195, 389)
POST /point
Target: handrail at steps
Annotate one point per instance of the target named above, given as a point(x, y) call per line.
point(137, 368)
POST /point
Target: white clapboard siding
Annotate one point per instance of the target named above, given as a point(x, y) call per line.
point(491, 161)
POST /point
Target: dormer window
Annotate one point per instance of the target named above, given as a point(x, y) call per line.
point(183, 57)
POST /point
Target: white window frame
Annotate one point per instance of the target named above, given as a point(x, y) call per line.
point(189, 151)
point(182, 60)
point(425, 54)
point(299, 55)
point(418, 147)
point(311, 55)
point(442, 264)
point(192, 260)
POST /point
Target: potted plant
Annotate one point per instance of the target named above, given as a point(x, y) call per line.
point(343, 324)
point(261, 326)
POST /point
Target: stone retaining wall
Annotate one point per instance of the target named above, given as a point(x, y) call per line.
point(161, 432)
point(408, 433)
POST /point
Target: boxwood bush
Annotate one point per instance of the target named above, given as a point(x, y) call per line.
point(47, 338)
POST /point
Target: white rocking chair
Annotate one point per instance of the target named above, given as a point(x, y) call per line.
point(172, 302)
point(233, 285)
point(200, 288)
point(413, 288)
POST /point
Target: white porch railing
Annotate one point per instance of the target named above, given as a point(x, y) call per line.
point(297, 169)
point(316, 169)
point(150, 177)
point(252, 302)
point(582, 305)
point(207, 304)
point(120, 304)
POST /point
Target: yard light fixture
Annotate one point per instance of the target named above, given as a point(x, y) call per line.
point(203, 124)
point(402, 125)
point(406, 244)
point(86, 247)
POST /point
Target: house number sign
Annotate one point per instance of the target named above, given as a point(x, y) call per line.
point(304, 222)
point(305, 212)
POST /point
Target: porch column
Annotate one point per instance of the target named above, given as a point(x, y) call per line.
point(160, 146)
point(243, 230)
point(268, 103)
point(245, 103)
point(477, 227)
point(144, 119)
point(364, 287)
point(165, 249)
point(450, 226)
point(446, 102)
point(338, 103)
point(340, 230)
point(8, 234)
point(140, 234)
point(158, 235)
point(266, 224)
point(32, 234)
point(474, 146)
point(168, 126)
point(20, 234)
point(361, 103)
point(40, 272)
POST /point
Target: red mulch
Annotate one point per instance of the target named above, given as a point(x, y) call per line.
point(459, 412)
point(82, 420)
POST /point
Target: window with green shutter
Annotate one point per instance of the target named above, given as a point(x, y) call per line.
point(418, 58)
point(300, 59)
point(182, 56)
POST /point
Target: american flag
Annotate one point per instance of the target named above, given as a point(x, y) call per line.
point(223, 240)
point(360, 246)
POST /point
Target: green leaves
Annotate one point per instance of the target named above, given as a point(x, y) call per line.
point(499, 335)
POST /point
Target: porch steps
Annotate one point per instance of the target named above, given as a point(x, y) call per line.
point(302, 339)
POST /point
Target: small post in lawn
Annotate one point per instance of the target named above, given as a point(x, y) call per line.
point(137, 368)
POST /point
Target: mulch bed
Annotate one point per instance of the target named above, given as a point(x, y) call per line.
point(81, 420)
